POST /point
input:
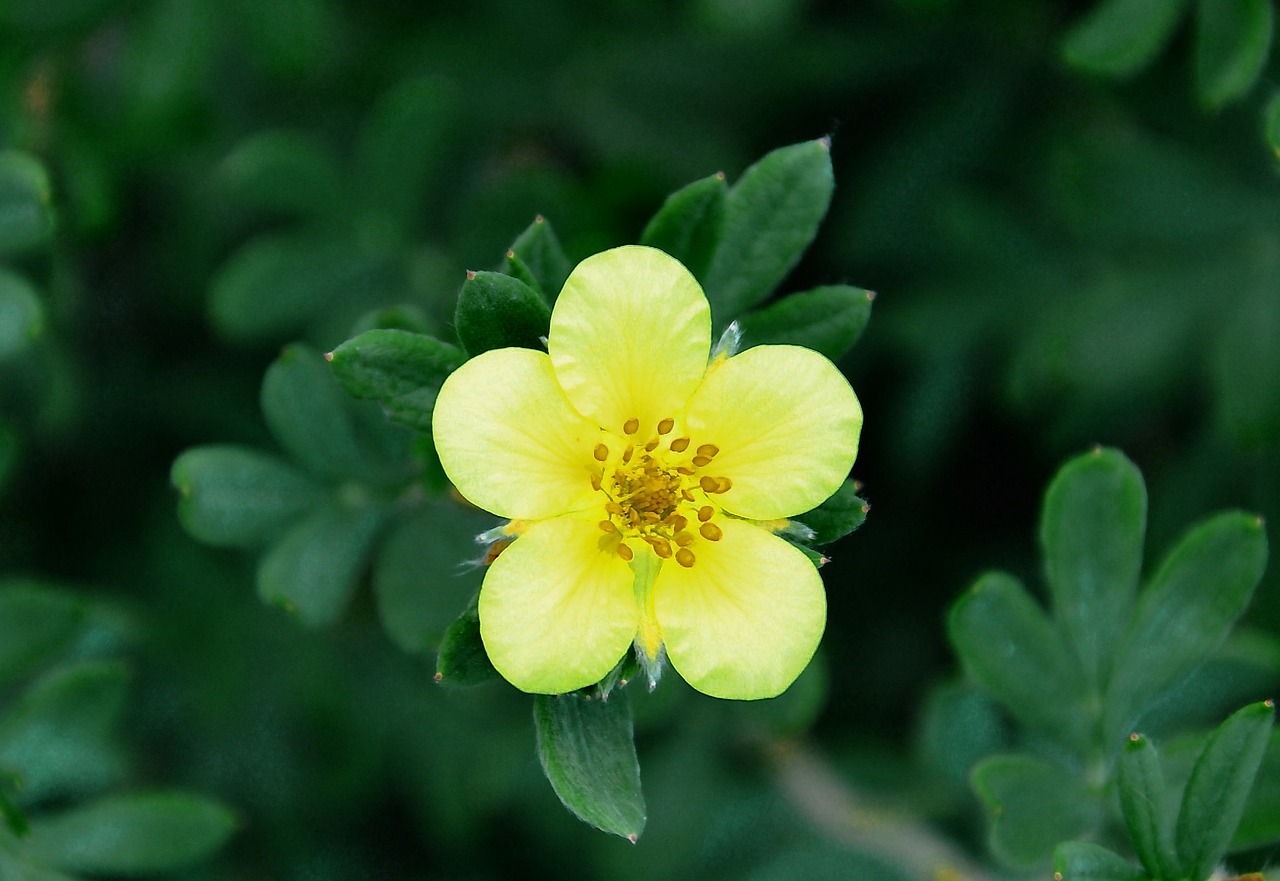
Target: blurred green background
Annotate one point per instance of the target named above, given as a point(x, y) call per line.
point(1066, 252)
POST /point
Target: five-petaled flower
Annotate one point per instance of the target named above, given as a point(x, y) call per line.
point(645, 485)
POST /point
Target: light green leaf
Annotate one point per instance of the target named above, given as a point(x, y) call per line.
point(36, 622)
point(1214, 799)
point(689, 223)
point(496, 311)
point(1091, 532)
point(838, 516)
point(401, 370)
point(828, 319)
point(771, 216)
point(133, 834)
point(238, 497)
point(279, 172)
point(21, 314)
point(1033, 806)
point(1120, 37)
point(1141, 787)
point(462, 659)
point(26, 203)
point(537, 259)
point(588, 753)
point(1085, 861)
point(1233, 38)
point(1010, 646)
point(1186, 611)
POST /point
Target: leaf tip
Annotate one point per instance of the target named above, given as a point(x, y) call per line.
point(439, 677)
point(538, 218)
point(634, 837)
point(1057, 876)
point(328, 356)
point(871, 296)
point(510, 254)
point(1269, 703)
point(471, 273)
point(825, 142)
point(720, 174)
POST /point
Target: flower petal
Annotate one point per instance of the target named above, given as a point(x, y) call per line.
point(557, 611)
point(509, 439)
point(629, 337)
point(786, 423)
point(746, 618)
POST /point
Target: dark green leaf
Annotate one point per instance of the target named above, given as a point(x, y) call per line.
point(838, 516)
point(26, 203)
point(131, 834)
point(1033, 806)
point(1120, 37)
point(1214, 799)
point(1233, 38)
point(496, 311)
point(1008, 644)
point(537, 259)
point(688, 224)
point(827, 319)
point(462, 659)
point(588, 753)
point(1141, 787)
point(1260, 823)
point(280, 172)
point(237, 496)
point(1085, 861)
point(1248, 373)
point(35, 623)
point(1271, 124)
point(21, 315)
point(313, 570)
point(771, 216)
point(401, 370)
point(1186, 611)
point(1091, 532)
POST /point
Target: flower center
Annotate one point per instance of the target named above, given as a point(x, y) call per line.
point(657, 493)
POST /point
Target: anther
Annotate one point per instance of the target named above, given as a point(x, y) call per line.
point(701, 461)
point(677, 522)
point(708, 450)
point(710, 532)
point(626, 454)
point(660, 546)
point(651, 445)
point(685, 470)
point(595, 482)
point(685, 558)
point(686, 495)
point(665, 426)
point(709, 485)
point(607, 526)
point(625, 552)
point(631, 426)
point(724, 484)
point(679, 445)
point(614, 508)
point(684, 539)
point(601, 452)
point(705, 513)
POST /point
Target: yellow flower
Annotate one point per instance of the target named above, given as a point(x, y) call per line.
point(640, 480)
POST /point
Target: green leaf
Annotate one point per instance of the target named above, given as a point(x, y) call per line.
point(1033, 806)
point(462, 659)
point(1085, 861)
point(838, 516)
point(1271, 124)
point(537, 259)
point(58, 736)
point(1009, 645)
point(238, 497)
point(1214, 799)
point(134, 833)
point(26, 203)
point(1091, 532)
point(827, 319)
point(1141, 787)
point(401, 370)
point(21, 315)
point(280, 172)
point(689, 223)
point(1233, 38)
point(1120, 37)
point(332, 436)
point(1186, 611)
point(1260, 823)
point(313, 570)
point(588, 753)
point(496, 311)
point(771, 216)
point(36, 622)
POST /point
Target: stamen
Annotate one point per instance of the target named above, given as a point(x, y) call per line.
point(626, 454)
point(595, 482)
point(685, 558)
point(607, 526)
point(631, 426)
point(660, 546)
point(705, 513)
point(651, 445)
point(665, 426)
point(685, 470)
point(725, 484)
point(601, 452)
point(679, 445)
point(711, 532)
point(684, 539)
point(677, 522)
point(625, 552)
point(709, 484)
point(708, 450)
point(702, 461)
point(686, 495)
point(614, 508)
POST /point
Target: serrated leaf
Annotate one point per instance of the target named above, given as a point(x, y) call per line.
point(771, 216)
point(537, 258)
point(588, 753)
point(1033, 807)
point(838, 516)
point(401, 370)
point(496, 311)
point(1186, 611)
point(1215, 796)
point(238, 497)
point(1008, 644)
point(280, 172)
point(1120, 37)
point(1233, 39)
point(462, 659)
point(26, 203)
point(313, 570)
point(21, 315)
point(1141, 787)
point(36, 622)
point(134, 833)
point(689, 223)
point(1092, 528)
point(828, 319)
point(1085, 861)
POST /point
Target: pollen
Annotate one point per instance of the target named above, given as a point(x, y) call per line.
point(708, 450)
point(679, 445)
point(710, 532)
point(631, 426)
point(601, 452)
point(705, 513)
point(665, 426)
point(702, 461)
point(685, 558)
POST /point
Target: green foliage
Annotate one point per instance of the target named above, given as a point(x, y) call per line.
point(496, 311)
point(537, 259)
point(400, 369)
point(1141, 787)
point(1120, 37)
point(1233, 38)
point(26, 203)
point(838, 516)
point(21, 315)
point(690, 223)
point(1034, 804)
point(828, 319)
